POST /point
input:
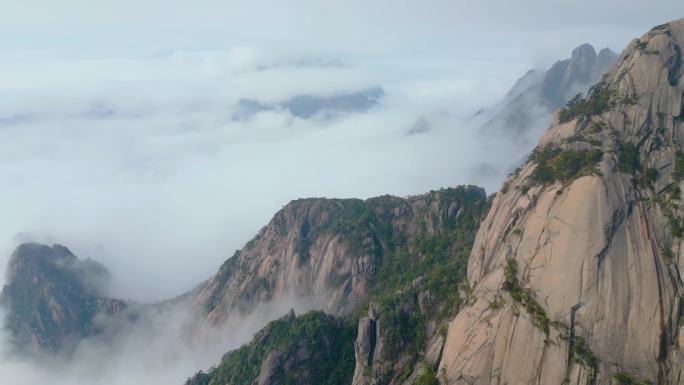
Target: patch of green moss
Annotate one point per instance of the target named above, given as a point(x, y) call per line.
point(678, 172)
point(581, 138)
point(596, 127)
point(597, 102)
point(553, 164)
point(676, 227)
point(628, 158)
point(506, 186)
point(428, 377)
point(625, 379)
point(525, 297)
point(582, 354)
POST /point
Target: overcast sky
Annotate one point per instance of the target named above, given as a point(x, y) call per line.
point(117, 129)
point(433, 27)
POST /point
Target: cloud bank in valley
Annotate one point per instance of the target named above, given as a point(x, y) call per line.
point(141, 163)
point(158, 349)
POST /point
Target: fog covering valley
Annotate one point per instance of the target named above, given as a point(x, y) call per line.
point(145, 174)
point(163, 155)
point(160, 174)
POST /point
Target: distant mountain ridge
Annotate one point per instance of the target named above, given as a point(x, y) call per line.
point(306, 106)
point(527, 107)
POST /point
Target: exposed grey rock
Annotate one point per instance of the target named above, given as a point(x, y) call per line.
point(271, 368)
point(364, 347)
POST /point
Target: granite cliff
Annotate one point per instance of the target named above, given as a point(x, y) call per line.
point(582, 249)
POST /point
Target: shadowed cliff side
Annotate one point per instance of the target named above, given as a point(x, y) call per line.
point(54, 299)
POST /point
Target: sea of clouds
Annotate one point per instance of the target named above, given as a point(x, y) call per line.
point(141, 162)
point(147, 162)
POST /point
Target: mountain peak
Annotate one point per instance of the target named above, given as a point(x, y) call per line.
point(53, 297)
point(529, 104)
point(607, 52)
point(584, 51)
point(570, 76)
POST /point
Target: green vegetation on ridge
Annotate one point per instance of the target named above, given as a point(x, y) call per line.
point(554, 164)
point(315, 348)
point(597, 101)
point(439, 258)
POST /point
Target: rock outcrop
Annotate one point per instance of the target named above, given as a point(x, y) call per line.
point(53, 298)
point(568, 77)
point(401, 260)
point(576, 269)
point(527, 107)
point(400, 340)
point(328, 252)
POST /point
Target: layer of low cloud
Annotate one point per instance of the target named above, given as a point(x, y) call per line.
point(158, 348)
point(129, 152)
point(140, 163)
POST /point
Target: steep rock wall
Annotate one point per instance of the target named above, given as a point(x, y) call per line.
point(584, 254)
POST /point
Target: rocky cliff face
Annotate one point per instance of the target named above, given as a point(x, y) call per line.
point(399, 261)
point(332, 253)
point(538, 93)
point(54, 298)
point(576, 269)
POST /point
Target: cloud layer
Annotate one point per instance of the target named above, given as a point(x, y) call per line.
point(139, 161)
point(119, 137)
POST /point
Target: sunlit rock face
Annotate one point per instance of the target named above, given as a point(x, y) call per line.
point(583, 245)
